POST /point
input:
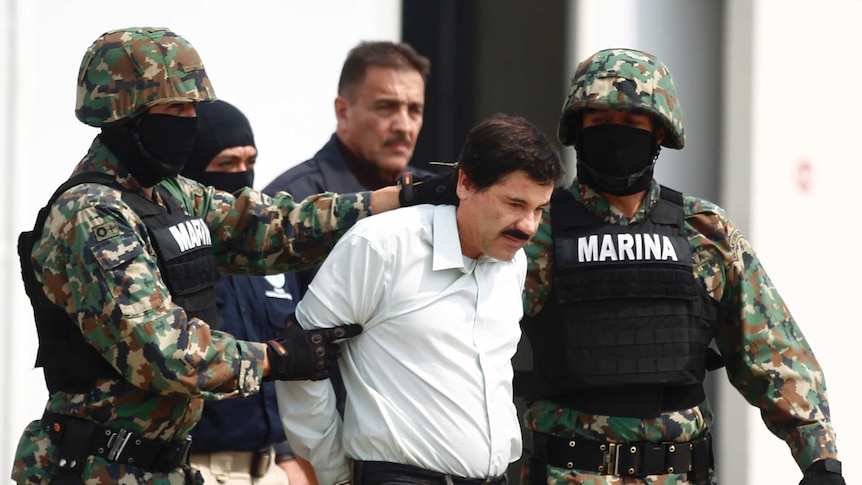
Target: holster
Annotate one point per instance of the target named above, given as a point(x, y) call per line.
point(71, 451)
point(536, 464)
point(260, 462)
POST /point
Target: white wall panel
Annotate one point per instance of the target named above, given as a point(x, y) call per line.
point(806, 173)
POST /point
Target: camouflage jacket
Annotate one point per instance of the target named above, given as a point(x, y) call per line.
point(767, 358)
point(114, 291)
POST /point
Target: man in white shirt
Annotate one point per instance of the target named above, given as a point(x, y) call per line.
point(438, 292)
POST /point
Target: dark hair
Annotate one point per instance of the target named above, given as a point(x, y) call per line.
point(503, 144)
point(379, 53)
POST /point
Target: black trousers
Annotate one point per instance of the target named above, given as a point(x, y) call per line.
point(385, 473)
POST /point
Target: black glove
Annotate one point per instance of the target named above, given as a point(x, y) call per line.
point(823, 472)
point(432, 189)
point(299, 354)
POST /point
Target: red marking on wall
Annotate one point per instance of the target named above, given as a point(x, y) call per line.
point(805, 176)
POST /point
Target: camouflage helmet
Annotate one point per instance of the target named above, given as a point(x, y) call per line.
point(126, 71)
point(623, 79)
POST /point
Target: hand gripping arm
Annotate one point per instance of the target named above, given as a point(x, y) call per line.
point(299, 354)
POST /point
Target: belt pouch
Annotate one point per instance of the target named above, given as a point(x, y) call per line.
point(260, 462)
point(73, 448)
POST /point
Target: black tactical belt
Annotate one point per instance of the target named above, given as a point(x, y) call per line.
point(627, 459)
point(363, 470)
point(77, 438)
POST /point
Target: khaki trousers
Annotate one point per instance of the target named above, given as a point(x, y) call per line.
point(234, 468)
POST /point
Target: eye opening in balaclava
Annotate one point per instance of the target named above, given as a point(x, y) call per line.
point(220, 125)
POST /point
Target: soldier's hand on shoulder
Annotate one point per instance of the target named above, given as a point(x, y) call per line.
point(299, 354)
point(434, 189)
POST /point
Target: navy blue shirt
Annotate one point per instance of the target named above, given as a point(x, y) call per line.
point(250, 308)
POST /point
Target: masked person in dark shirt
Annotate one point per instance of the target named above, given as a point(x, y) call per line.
point(241, 441)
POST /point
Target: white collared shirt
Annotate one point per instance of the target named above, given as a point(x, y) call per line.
point(429, 381)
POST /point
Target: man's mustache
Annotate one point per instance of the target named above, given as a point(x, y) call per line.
point(402, 138)
point(517, 234)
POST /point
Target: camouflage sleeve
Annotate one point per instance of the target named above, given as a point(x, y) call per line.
point(540, 256)
point(767, 358)
point(95, 261)
point(254, 233)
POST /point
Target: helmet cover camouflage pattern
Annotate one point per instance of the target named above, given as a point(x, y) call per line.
point(623, 79)
point(126, 71)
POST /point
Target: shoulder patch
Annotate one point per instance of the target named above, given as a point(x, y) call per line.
point(105, 231)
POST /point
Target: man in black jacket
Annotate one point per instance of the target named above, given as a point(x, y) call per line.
point(381, 98)
point(379, 107)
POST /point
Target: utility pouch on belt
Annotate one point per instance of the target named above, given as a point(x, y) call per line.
point(260, 460)
point(71, 454)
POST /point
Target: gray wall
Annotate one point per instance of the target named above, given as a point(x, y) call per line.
point(520, 63)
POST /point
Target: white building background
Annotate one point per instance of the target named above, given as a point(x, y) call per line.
point(787, 72)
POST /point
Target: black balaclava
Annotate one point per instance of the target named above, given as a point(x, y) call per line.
point(151, 146)
point(616, 159)
point(220, 125)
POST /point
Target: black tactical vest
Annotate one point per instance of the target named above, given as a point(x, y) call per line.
point(627, 326)
point(188, 266)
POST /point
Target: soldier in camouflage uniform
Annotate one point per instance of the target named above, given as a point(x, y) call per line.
point(620, 330)
point(120, 271)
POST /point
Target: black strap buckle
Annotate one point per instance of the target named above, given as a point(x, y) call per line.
point(117, 443)
point(406, 196)
point(174, 454)
point(612, 460)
